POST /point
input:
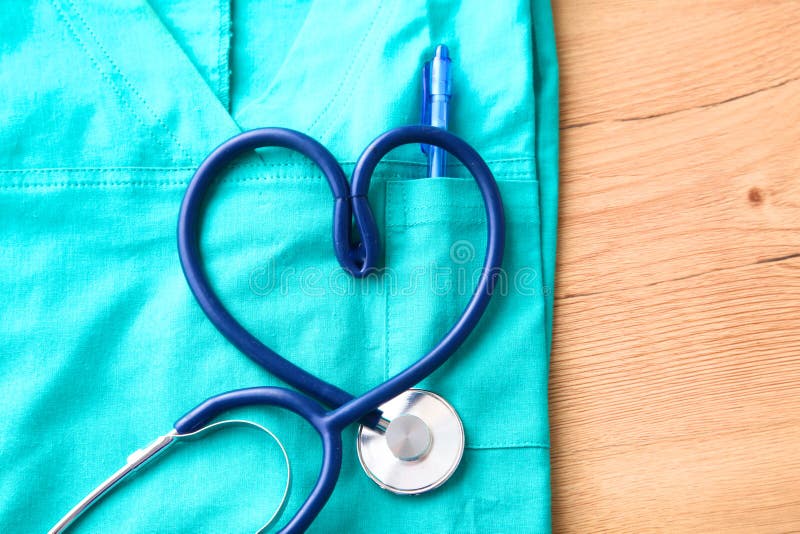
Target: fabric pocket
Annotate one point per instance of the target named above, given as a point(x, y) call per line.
point(435, 242)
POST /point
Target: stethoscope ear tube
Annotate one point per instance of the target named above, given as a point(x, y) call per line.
point(307, 408)
point(144, 457)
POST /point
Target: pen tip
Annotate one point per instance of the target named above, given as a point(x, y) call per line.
point(442, 52)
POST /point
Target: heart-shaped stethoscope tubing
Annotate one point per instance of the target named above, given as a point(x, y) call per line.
point(357, 257)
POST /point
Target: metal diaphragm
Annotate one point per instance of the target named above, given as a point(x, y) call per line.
point(421, 447)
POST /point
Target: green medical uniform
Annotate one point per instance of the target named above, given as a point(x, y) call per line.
point(106, 110)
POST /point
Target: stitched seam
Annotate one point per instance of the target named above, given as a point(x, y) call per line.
point(394, 210)
point(385, 175)
point(509, 445)
point(400, 215)
point(253, 165)
point(386, 311)
point(96, 66)
point(350, 68)
point(125, 80)
point(352, 85)
point(297, 179)
point(281, 71)
point(223, 77)
point(100, 184)
point(162, 182)
point(46, 170)
point(93, 184)
point(437, 221)
point(423, 217)
point(480, 222)
point(390, 209)
point(143, 183)
point(155, 182)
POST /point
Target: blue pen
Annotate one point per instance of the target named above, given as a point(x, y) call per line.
point(436, 92)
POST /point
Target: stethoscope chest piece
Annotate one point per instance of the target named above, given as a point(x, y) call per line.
point(420, 448)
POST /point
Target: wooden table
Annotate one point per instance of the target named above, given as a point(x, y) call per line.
point(675, 384)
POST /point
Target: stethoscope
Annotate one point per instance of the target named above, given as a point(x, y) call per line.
point(410, 440)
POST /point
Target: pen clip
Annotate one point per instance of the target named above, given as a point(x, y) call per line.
point(425, 115)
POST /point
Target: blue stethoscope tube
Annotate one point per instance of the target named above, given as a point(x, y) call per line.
point(192, 264)
point(359, 256)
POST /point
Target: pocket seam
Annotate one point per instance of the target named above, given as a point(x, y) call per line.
point(401, 215)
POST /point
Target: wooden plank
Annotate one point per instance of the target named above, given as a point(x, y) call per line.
point(626, 59)
point(675, 406)
point(682, 194)
point(675, 380)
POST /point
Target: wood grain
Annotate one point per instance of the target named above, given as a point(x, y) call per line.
point(675, 379)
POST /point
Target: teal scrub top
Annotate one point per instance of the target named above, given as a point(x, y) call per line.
point(106, 110)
